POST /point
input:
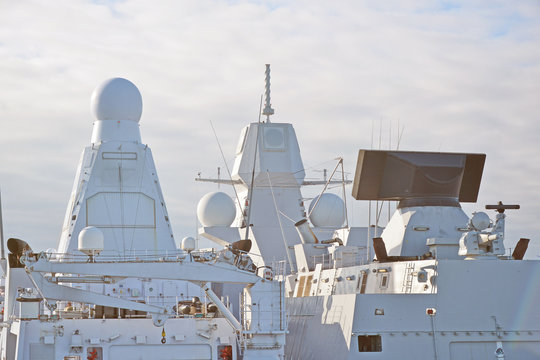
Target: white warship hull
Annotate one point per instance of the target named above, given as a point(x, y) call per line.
point(447, 289)
point(120, 339)
point(480, 306)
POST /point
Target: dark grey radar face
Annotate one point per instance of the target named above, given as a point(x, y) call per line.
point(432, 177)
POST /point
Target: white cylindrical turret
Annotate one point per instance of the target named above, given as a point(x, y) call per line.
point(117, 108)
point(216, 209)
point(91, 241)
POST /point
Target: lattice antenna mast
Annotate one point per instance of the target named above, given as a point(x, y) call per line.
point(267, 105)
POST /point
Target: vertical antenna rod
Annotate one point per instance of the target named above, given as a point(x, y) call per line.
point(3, 253)
point(267, 105)
point(3, 262)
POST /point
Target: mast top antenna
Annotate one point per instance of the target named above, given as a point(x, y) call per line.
point(267, 105)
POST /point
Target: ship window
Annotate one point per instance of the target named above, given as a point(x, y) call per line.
point(384, 281)
point(362, 280)
point(119, 156)
point(369, 343)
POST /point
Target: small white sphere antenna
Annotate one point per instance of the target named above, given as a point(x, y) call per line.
point(91, 241)
point(188, 244)
point(329, 212)
point(480, 221)
point(216, 209)
point(117, 99)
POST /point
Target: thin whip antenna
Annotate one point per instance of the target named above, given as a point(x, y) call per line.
point(286, 217)
point(377, 211)
point(369, 206)
point(226, 166)
point(252, 185)
point(344, 194)
point(326, 185)
point(2, 230)
point(280, 226)
point(372, 126)
point(399, 137)
point(260, 109)
point(389, 148)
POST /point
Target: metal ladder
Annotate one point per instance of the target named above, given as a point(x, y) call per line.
point(408, 278)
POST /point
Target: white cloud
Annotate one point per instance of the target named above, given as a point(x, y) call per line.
point(459, 76)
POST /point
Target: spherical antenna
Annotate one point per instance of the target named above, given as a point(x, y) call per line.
point(327, 210)
point(216, 209)
point(188, 244)
point(91, 241)
point(117, 99)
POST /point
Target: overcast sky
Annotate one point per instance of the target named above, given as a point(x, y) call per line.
point(456, 76)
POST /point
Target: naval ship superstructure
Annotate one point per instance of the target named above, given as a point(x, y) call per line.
point(436, 284)
point(117, 287)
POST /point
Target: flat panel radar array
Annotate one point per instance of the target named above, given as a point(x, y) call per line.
point(401, 175)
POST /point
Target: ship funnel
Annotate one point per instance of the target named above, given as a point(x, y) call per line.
point(306, 234)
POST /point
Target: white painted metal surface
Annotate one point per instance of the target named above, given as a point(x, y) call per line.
point(121, 289)
point(446, 289)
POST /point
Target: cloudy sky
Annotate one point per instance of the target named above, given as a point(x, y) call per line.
point(454, 76)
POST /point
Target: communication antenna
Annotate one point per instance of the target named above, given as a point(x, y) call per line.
point(3, 252)
point(267, 105)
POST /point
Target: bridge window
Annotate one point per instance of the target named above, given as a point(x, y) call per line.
point(369, 343)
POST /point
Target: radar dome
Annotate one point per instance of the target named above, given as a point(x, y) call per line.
point(216, 209)
point(91, 240)
point(117, 99)
point(188, 244)
point(329, 212)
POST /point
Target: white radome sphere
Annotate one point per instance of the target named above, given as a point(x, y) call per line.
point(480, 221)
point(216, 209)
point(117, 99)
point(330, 211)
point(188, 244)
point(91, 240)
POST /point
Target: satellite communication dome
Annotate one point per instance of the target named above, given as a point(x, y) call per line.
point(329, 212)
point(91, 240)
point(188, 244)
point(216, 209)
point(117, 99)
